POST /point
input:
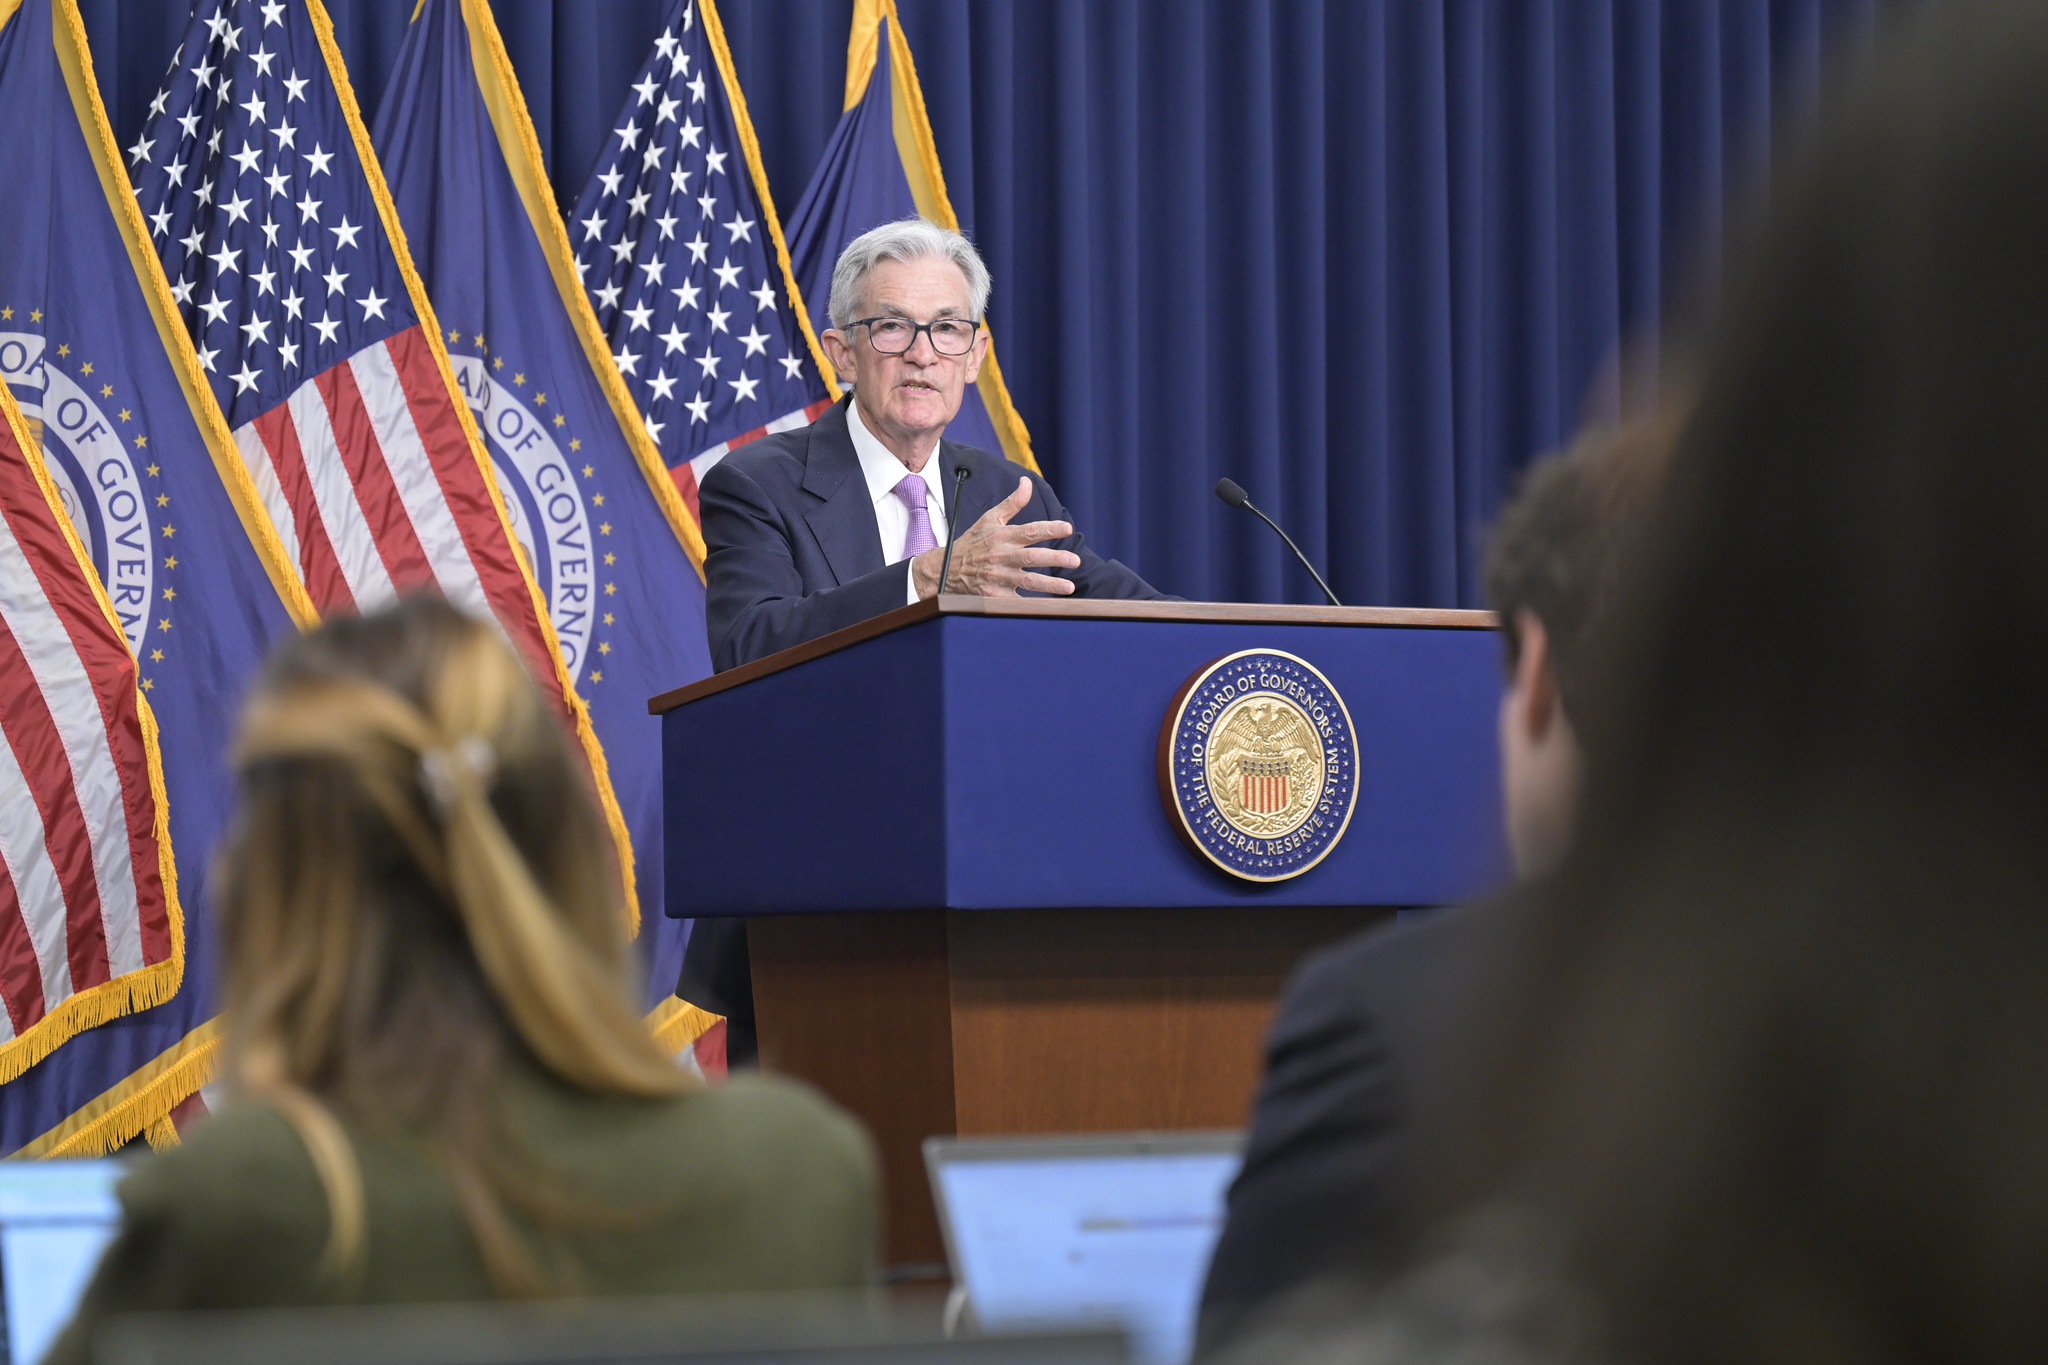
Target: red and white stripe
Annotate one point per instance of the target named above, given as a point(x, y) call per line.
point(690, 474)
point(370, 480)
point(81, 896)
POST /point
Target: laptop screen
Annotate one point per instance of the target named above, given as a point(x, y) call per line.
point(56, 1217)
point(1064, 1232)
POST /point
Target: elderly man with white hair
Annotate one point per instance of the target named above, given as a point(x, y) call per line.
point(811, 530)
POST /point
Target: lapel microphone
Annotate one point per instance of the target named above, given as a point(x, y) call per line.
point(952, 525)
point(1237, 497)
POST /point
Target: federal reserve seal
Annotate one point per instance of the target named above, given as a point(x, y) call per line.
point(1258, 765)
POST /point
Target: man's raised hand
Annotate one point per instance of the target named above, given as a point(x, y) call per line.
point(994, 559)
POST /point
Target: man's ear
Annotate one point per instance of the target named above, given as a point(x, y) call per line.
point(977, 353)
point(1535, 687)
point(836, 350)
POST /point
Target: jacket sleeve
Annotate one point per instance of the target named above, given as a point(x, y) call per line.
point(1097, 577)
point(754, 598)
point(1324, 1167)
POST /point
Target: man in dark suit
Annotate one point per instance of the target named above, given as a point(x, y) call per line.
point(811, 530)
point(1369, 1047)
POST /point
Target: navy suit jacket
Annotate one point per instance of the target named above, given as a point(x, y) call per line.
point(794, 551)
point(1369, 1054)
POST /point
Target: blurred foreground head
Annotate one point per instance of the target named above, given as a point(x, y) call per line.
point(418, 890)
point(1780, 1068)
point(1554, 565)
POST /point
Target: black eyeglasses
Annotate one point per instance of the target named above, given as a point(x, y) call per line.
point(894, 336)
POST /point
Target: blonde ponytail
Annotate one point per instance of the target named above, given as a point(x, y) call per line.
point(389, 751)
point(567, 1002)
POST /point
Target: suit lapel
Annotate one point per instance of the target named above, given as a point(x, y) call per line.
point(982, 490)
point(844, 523)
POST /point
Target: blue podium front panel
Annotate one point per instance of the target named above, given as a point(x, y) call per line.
point(983, 762)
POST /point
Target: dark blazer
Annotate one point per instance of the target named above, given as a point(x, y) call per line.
point(794, 552)
point(1369, 1044)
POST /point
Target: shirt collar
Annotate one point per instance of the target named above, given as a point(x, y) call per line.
point(879, 465)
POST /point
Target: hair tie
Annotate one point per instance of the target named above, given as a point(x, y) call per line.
point(447, 772)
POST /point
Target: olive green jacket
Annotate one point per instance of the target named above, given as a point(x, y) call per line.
point(755, 1184)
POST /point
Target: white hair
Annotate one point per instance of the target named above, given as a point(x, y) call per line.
point(906, 239)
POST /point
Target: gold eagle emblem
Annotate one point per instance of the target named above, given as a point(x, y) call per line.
point(1265, 765)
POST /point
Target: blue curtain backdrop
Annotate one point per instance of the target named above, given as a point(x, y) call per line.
point(1367, 257)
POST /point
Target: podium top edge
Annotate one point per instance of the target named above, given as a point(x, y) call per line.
point(1072, 609)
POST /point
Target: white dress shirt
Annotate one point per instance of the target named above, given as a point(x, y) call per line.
point(883, 472)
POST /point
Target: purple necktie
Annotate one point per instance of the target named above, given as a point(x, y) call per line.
point(920, 537)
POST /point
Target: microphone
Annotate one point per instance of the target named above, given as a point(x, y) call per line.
point(953, 526)
point(1237, 497)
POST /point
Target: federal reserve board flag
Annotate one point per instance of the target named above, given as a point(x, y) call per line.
point(137, 452)
point(284, 255)
point(603, 527)
point(677, 241)
point(881, 165)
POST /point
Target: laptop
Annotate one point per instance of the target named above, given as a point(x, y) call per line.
point(1071, 1232)
point(56, 1217)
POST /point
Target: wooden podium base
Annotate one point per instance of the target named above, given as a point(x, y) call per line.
point(928, 1022)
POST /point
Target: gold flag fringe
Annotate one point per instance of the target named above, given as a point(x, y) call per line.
point(677, 1024)
point(89, 1008)
point(135, 1106)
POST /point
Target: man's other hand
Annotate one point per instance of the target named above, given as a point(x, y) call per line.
point(994, 559)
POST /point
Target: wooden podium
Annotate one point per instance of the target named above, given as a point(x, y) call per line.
point(968, 910)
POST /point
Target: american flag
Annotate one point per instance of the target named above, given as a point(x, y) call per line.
point(288, 266)
point(676, 239)
point(88, 918)
point(308, 323)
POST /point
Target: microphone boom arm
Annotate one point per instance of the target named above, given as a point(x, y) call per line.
point(953, 528)
point(1235, 497)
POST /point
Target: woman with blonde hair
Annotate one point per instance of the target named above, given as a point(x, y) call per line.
point(443, 1089)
